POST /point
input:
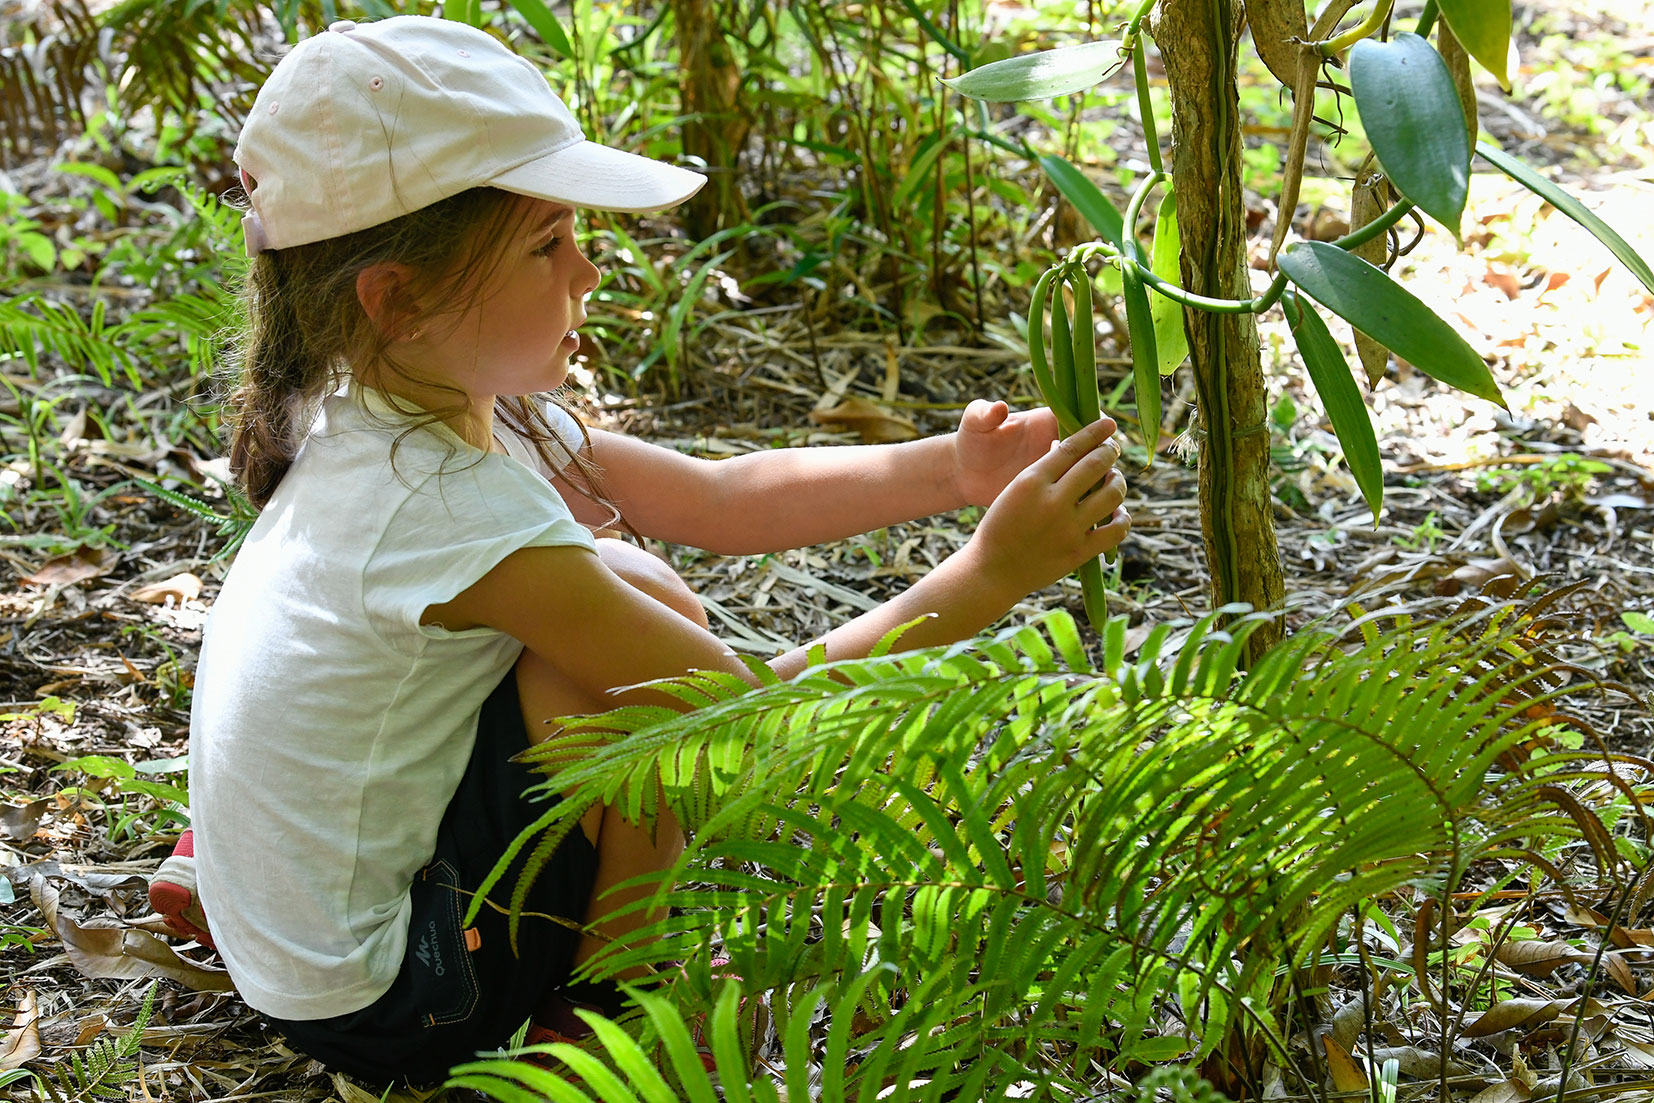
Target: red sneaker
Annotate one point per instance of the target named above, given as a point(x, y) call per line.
point(172, 893)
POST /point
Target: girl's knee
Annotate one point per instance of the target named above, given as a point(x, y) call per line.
point(649, 573)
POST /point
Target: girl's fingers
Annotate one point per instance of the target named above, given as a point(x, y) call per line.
point(1066, 453)
point(1107, 536)
point(1101, 503)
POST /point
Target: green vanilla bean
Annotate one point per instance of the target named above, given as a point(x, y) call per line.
point(1094, 592)
point(1067, 422)
point(1145, 358)
point(1087, 401)
point(1062, 348)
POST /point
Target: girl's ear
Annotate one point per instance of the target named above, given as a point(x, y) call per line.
point(381, 289)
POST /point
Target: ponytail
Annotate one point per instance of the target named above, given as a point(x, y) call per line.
point(281, 379)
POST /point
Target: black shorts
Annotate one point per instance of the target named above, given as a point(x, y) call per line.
point(461, 991)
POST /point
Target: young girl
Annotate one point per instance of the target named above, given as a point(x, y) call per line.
point(422, 590)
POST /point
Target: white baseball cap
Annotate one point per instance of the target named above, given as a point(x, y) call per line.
point(370, 121)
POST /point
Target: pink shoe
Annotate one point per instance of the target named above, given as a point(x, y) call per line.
point(172, 893)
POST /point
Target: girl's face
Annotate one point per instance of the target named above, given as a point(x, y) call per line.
point(518, 336)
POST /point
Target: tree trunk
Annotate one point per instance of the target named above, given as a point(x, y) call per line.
point(709, 81)
point(1198, 42)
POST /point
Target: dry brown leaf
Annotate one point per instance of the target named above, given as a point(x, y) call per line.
point(22, 1041)
point(1511, 1014)
point(21, 821)
point(1418, 1063)
point(1539, 959)
point(1275, 23)
point(90, 1028)
point(1509, 1091)
point(179, 588)
point(78, 566)
point(1637, 1055)
point(875, 424)
point(1347, 1076)
point(1370, 200)
point(1620, 970)
point(1478, 573)
point(117, 953)
point(1458, 66)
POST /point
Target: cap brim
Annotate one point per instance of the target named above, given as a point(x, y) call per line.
point(600, 178)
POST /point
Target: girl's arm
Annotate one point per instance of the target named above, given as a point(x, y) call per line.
point(793, 497)
point(567, 607)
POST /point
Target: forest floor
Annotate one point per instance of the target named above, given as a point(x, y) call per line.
point(98, 641)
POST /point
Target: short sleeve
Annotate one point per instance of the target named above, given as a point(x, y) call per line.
point(454, 528)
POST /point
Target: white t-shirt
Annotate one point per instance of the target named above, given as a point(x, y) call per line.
point(330, 728)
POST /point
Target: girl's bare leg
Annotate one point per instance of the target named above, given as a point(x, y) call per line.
point(624, 849)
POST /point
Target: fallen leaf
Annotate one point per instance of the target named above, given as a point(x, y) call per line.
point(179, 589)
point(90, 1028)
point(1478, 573)
point(1511, 1014)
point(1539, 959)
point(1510, 1091)
point(875, 424)
point(104, 952)
point(1418, 1063)
point(22, 1042)
point(21, 821)
point(1347, 1076)
point(78, 566)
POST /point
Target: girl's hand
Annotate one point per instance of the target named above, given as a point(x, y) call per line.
point(1063, 510)
point(994, 445)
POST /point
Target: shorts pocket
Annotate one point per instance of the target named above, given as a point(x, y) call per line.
point(443, 980)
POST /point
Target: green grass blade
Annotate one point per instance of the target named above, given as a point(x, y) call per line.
point(545, 25)
point(1092, 204)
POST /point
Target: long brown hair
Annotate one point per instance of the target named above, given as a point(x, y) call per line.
point(306, 331)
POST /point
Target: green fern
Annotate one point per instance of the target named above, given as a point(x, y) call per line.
point(103, 1071)
point(992, 865)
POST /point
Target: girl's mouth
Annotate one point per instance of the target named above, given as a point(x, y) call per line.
point(572, 338)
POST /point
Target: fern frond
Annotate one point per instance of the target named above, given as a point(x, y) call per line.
point(972, 852)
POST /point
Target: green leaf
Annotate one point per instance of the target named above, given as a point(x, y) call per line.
point(1170, 342)
point(1389, 314)
point(1573, 208)
point(1330, 373)
point(1145, 361)
point(1640, 623)
point(1483, 28)
point(545, 25)
point(1410, 109)
point(1040, 76)
point(1092, 204)
point(919, 172)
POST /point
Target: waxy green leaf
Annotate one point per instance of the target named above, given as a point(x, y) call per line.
point(1330, 373)
point(1092, 204)
point(1379, 307)
point(1483, 28)
point(1410, 109)
point(1145, 362)
point(1040, 76)
point(1573, 208)
point(1170, 342)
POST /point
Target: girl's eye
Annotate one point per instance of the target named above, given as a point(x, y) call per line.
point(549, 247)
